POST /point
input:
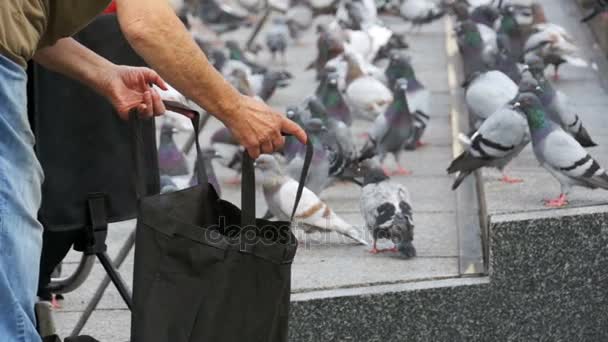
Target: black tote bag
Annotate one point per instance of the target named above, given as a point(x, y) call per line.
point(207, 271)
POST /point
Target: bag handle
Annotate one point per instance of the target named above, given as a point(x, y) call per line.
point(248, 186)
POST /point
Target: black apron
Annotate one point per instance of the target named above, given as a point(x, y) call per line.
point(82, 144)
point(207, 271)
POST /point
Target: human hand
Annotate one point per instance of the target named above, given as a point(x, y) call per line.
point(128, 88)
point(259, 128)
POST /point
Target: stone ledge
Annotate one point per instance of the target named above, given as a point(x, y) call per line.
point(548, 280)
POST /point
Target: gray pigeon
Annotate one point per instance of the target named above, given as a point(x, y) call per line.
point(171, 160)
point(318, 177)
point(392, 130)
point(167, 184)
point(497, 141)
point(312, 214)
point(387, 211)
point(557, 105)
point(486, 92)
point(276, 38)
point(559, 153)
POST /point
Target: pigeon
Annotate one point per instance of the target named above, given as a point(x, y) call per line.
point(265, 85)
point(471, 47)
point(171, 160)
point(337, 138)
point(367, 96)
point(421, 12)
point(368, 42)
point(486, 32)
point(276, 38)
point(486, 92)
point(504, 62)
point(485, 15)
point(292, 146)
point(312, 214)
point(333, 100)
point(229, 151)
point(559, 153)
point(417, 95)
point(555, 46)
point(237, 54)
point(392, 130)
point(511, 28)
point(330, 44)
point(598, 7)
point(386, 208)
point(299, 19)
point(318, 177)
point(357, 14)
point(499, 139)
point(167, 184)
point(395, 43)
point(557, 106)
point(207, 155)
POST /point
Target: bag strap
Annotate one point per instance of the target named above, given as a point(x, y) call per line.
point(248, 187)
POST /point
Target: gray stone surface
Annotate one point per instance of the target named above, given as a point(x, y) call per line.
point(547, 282)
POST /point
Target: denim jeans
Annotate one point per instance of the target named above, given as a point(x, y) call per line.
point(20, 232)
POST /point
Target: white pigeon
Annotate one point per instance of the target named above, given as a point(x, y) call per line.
point(367, 42)
point(312, 214)
point(420, 12)
point(487, 92)
point(366, 95)
point(554, 45)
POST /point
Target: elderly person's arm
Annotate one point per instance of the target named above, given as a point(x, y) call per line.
point(156, 33)
point(125, 87)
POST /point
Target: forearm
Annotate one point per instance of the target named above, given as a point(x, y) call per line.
point(160, 38)
point(72, 59)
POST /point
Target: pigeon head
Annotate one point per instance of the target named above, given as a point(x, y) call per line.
point(400, 66)
point(531, 106)
point(406, 249)
point(460, 10)
point(218, 59)
point(235, 51)
point(536, 64)
point(317, 109)
point(268, 164)
point(314, 126)
point(529, 84)
point(370, 170)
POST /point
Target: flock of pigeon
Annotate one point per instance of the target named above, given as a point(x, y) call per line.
point(365, 74)
point(505, 49)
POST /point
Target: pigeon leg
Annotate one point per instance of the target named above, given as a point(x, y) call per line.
point(506, 179)
point(55, 302)
point(559, 202)
point(363, 135)
point(421, 144)
point(374, 250)
point(556, 72)
point(236, 180)
point(400, 169)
